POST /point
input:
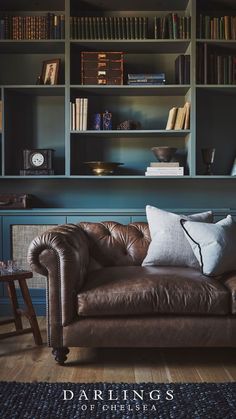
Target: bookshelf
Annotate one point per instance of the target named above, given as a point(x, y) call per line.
point(38, 116)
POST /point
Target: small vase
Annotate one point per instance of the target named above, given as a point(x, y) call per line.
point(208, 156)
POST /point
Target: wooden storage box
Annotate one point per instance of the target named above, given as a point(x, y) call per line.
point(102, 67)
point(15, 201)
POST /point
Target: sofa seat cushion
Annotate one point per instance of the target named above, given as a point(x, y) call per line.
point(136, 290)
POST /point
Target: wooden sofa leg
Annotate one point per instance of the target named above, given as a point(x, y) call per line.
point(60, 354)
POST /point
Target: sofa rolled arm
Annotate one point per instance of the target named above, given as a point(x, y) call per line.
point(62, 255)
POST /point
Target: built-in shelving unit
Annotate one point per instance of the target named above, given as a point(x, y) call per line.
point(38, 116)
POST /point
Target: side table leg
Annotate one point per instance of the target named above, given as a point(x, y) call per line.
point(14, 303)
point(30, 313)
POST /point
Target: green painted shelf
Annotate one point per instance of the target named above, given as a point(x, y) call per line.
point(161, 90)
point(33, 46)
point(133, 133)
point(152, 46)
point(37, 90)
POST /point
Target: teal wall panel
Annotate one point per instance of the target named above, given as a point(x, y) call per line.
point(123, 219)
point(107, 193)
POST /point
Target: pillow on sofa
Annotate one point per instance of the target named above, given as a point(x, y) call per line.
point(169, 247)
point(214, 245)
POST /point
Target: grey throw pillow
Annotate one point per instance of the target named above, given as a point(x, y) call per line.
point(169, 247)
point(214, 245)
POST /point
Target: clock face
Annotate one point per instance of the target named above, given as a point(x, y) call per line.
point(37, 159)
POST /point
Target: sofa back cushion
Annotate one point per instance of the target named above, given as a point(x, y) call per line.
point(114, 244)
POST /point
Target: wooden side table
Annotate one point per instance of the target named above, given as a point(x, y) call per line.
point(29, 312)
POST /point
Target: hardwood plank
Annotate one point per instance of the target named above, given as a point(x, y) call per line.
point(181, 366)
point(22, 360)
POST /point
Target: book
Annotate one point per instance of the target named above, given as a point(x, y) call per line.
point(154, 76)
point(85, 114)
point(165, 171)
point(164, 164)
point(187, 116)
point(145, 82)
point(172, 169)
point(72, 116)
point(171, 118)
point(180, 118)
point(78, 111)
point(182, 69)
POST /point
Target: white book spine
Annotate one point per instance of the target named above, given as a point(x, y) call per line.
point(166, 171)
point(85, 114)
point(77, 114)
point(73, 117)
point(81, 114)
point(163, 174)
point(160, 164)
point(172, 168)
point(70, 116)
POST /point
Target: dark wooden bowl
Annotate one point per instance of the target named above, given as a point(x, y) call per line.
point(164, 154)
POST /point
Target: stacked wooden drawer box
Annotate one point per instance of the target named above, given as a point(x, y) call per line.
point(102, 68)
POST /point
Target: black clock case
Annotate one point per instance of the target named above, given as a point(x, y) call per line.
point(48, 159)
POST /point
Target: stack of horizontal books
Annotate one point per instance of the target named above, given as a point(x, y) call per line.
point(164, 169)
point(146, 79)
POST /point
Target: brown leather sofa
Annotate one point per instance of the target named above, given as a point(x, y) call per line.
point(99, 295)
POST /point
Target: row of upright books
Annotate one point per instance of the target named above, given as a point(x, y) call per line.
point(172, 26)
point(179, 118)
point(140, 79)
point(213, 67)
point(99, 27)
point(164, 169)
point(182, 69)
point(79, 114)
point(223, 27)
point(50, 26)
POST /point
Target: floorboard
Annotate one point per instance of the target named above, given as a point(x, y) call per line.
point(21, 360)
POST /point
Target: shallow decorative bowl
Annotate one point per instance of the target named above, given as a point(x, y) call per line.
point(164, 154)
point(102, 168)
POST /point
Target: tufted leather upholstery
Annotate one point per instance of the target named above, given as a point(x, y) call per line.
point(114, 244)
point(137, 290)
point(121, 303)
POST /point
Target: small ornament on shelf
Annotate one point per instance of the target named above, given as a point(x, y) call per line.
point(107, 120)
point(208, 156)
point(97, 122)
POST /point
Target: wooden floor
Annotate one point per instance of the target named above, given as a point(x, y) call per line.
point(21, 360)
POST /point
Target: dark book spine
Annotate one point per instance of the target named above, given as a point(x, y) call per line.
point(86, 28)
point(106, 28)
point(136, 28)
point(98, 28)
point(132, 27)
point(102, 25)
point(95, 30)
point(118, 28)
point(186, 69)
point(82, 28)
point(62, 26)
point(71, 27)
point(111, 27)
point(123, 31)
point(205, 49)
point(127, 25)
